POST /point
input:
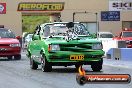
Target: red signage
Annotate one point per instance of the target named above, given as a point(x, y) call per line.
point(2, 8)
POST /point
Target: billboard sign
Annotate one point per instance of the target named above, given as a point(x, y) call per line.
point(41, 6)
point(110, 16)
point(119, 5)
point(2, 8)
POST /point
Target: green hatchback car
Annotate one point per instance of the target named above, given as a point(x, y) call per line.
point(64, 44)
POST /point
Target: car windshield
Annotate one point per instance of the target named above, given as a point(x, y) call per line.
point(6, 34)
point(106, 36)
point(61, 29)
point(127, 34)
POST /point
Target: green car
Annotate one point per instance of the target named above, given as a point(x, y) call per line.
point(64, 44)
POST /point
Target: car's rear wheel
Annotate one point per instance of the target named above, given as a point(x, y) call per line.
point(33, 65)
point(45, 65)
point(17, 57)
point(97, 66)
point(9, 57)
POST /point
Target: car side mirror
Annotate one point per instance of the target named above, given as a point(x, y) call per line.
point(18, 37)
point(36, 37)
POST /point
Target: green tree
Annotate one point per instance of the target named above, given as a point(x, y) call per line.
point(30, 22)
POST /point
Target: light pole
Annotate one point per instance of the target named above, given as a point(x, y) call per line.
point(97, 25)
point(96, 14)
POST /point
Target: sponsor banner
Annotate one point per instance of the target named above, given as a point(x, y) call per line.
point(110, 16)
point(41, 6)
point(103, 78)
point(2, 8)
point(119, 5)
point(83, 78)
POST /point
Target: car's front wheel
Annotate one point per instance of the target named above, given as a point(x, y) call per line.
point(97, 66)
point(45, 65)
point(77, 66)
point(9, 57)
point(17, 57)
point(33, 65)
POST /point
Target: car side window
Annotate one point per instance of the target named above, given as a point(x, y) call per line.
point(36, 32)
point(41, 32)
point(46, 30)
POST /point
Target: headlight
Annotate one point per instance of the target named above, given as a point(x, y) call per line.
point(14, 45)
point(97, 46)
point(54, 47)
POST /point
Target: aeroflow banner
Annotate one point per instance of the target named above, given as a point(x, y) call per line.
point(120, 5)
point(41, 6)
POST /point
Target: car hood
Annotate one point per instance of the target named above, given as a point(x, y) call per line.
point(82, 44)
point(127, 38)
point(61, 40)
point(8, 41)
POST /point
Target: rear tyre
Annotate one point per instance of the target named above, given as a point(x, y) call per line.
point(9, 57)
point(97, 66)
point(33, 65)
point(17, 57)
point(45, 65)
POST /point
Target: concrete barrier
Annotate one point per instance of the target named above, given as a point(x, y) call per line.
point(126, 54)
point(120, 54)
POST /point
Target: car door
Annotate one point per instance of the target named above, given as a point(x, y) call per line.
point(35, 45)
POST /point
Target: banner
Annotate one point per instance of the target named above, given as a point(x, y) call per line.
point(41, 6)
point(120, 5)
point(2, 8)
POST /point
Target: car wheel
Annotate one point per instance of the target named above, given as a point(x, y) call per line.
point(77, 66)
point(97, 66)
point(33, 65)
point(9, 57)
point(45, 65)
point(17, 57)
